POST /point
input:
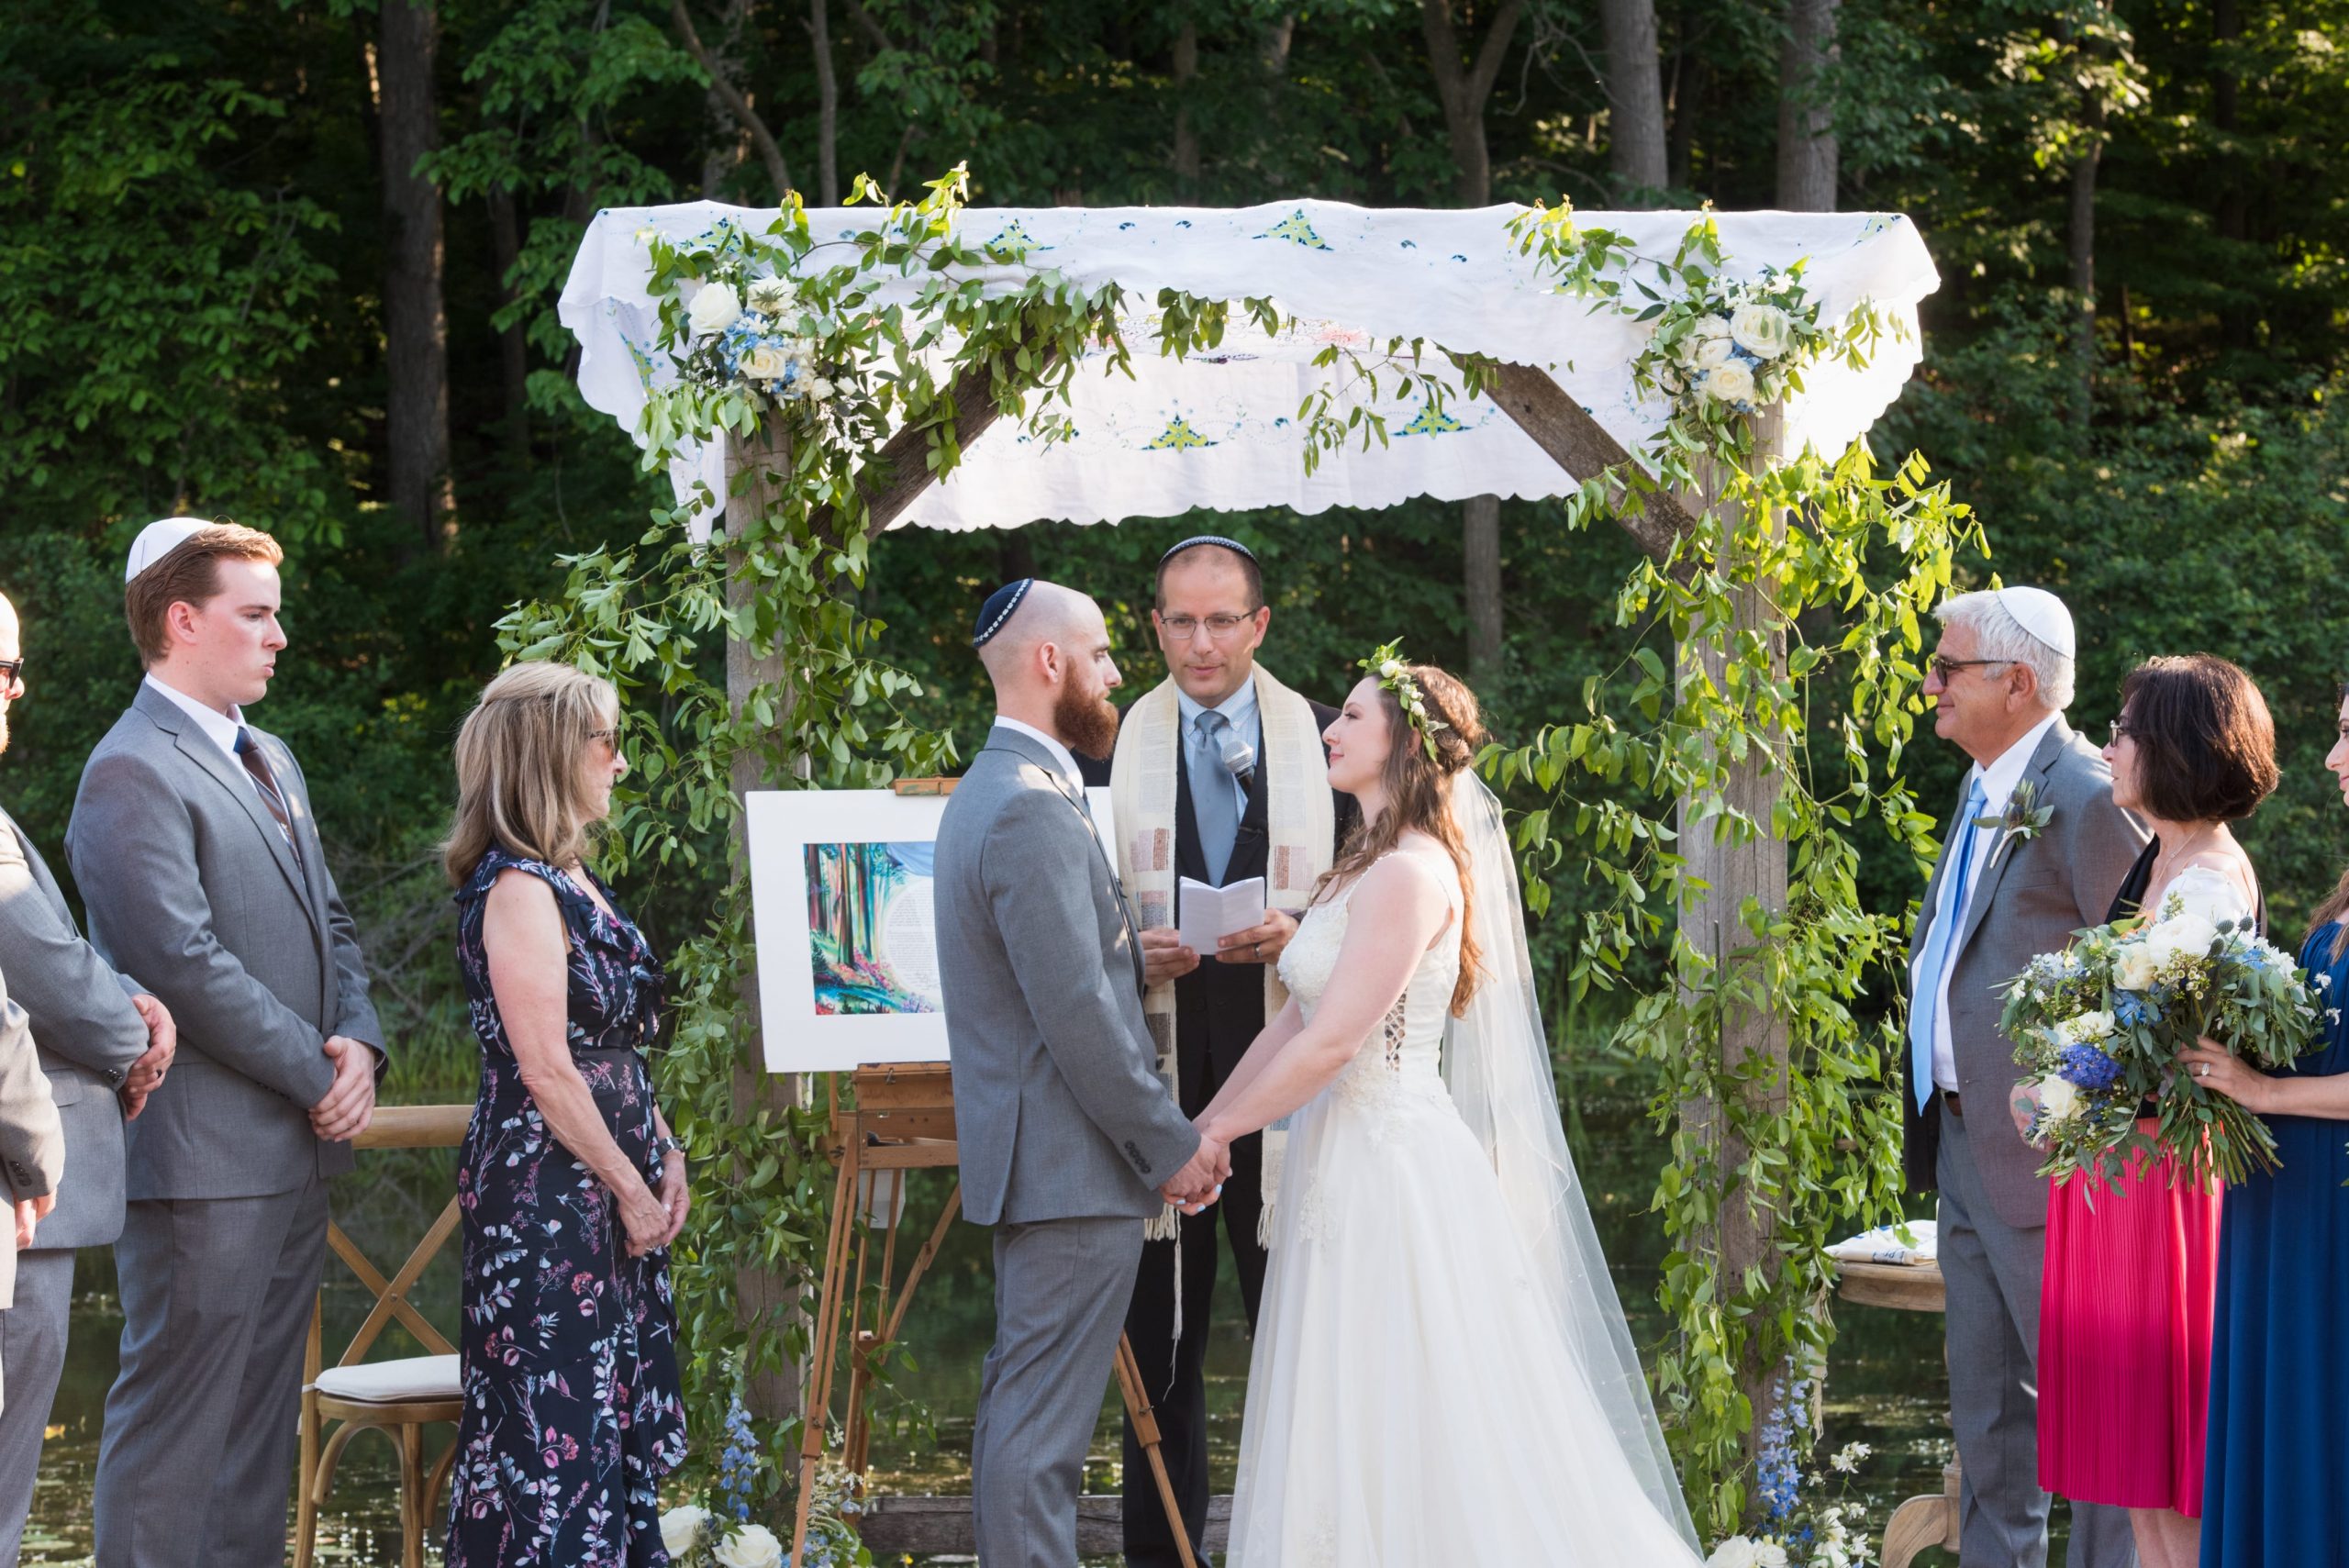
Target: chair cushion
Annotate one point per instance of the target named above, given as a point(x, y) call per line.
point(385, 1383)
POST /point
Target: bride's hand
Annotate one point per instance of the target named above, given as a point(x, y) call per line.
point(2213, 1067)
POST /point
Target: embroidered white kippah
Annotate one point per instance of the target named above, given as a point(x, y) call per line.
point(158, 540)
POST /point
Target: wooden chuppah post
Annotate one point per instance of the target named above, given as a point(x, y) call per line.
point(1731, 871)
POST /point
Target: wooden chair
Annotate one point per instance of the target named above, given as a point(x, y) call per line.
point(397, 1397)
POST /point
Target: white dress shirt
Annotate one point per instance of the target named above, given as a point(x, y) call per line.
point(1062, 755)
point(1240, 713)
point(221, 727)
point(1997, 780)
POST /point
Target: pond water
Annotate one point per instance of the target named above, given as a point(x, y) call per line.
point(1886, 1388)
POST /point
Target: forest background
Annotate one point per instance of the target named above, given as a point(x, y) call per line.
point(296, 264)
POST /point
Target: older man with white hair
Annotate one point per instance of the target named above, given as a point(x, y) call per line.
point(2035, 852)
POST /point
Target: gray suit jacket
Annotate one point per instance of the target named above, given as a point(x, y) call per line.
point(87, 1031)
point(191, 888)
point(32, 1145)
point(1058, 1104)
point(2037, 892)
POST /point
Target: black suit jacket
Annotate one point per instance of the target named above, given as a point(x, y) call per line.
point(1219, 1007)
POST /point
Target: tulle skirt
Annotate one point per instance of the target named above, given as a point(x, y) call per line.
point(2125, 1307)
point(1411, 1400)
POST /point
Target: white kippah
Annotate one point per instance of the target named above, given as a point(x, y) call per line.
point(2043, 615)
point(158, 540)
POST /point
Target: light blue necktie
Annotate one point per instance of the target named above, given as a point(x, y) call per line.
point(1925, 1005)
point(1214, 793)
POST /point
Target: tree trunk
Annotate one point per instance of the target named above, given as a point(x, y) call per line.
point(828, 105)
point(730, 141)
point(760, 1294)
point(1187, 137)
point(513, 340)
point(1635, 142)
point(1807, 145)
point(416, 323)
point(2237, 323)
point(2082, 239)
point(1278, 35)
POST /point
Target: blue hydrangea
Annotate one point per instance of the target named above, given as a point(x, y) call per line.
point(2086, 1067)
point(2131, 1010)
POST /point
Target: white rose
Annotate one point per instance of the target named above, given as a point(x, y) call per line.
point(714, 308)
point(2134, 966)
point(2186, 934)
point(771, 295)
point(681, 1529)
point(1711, 352)
point(1770, 1554)
point(1735, 1552)
point(1710, 326)
point(2089, 1027)
point(1762, 330)
point(1731, 381)
point(2059, 1098)
point(1389, 670)
point(819, 389)
point(750, 1546)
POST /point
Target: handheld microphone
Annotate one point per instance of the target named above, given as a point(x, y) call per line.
point(1239, 761)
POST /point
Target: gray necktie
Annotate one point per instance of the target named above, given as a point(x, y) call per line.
point(1214, 795)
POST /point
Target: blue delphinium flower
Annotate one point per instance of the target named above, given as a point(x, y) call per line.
point(738, 1467)
point(1777, 1477)
point(2086, 1067)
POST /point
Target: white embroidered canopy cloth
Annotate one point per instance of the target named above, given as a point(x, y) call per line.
point(1221, 429)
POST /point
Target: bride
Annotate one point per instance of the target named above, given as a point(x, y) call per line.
point(1442, 1370)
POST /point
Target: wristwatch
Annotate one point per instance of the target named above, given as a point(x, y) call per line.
point(667, 1145)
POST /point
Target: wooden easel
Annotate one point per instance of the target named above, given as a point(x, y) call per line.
point(903, 1119)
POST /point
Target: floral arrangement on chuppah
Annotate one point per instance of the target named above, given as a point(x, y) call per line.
point(2099, 1026)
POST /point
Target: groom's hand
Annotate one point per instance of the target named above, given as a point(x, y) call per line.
point(1196, 1184)
point(1164, 956)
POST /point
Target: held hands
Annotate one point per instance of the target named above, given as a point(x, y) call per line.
point(1258, 944)
point(349, 1105)
point(2213, 1067)
point(1164, 956)
point(1200, 1182)
point(146, 1075)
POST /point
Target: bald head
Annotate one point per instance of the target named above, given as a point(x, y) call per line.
point(1051, 667)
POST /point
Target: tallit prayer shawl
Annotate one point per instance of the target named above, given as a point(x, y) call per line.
point(1300, 822)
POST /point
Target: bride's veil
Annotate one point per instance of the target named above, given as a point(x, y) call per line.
point(1497, 1066)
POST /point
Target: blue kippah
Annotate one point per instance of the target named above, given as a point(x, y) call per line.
point(1001, 606)
point(1231, 544)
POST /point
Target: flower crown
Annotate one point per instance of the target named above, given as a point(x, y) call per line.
point(1396, 676)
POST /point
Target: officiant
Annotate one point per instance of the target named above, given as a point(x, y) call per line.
point(1218, 776)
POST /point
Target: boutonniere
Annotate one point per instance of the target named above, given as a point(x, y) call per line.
point(2020, 823)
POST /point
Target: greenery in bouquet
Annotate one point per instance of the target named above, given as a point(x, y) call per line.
point(2099, 1028)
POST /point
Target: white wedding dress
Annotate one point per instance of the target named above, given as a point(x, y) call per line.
point(1413, 1399)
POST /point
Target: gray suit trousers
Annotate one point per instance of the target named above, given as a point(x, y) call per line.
point(1061, 1291)
point(32, 1349)
point(1991, 1272)
point(197, 1457)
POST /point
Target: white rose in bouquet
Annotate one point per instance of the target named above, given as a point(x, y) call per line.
point(765, 362)
point(1769, 1554)
point(714, 309)
point(1762, 330)
point(2059, 1098)
point(2088, 1027)
point(2187, 934)
point(750, 1546)
point(772, 296)
point(1731, 381)
point(1735, 1552)
point(681, 1529)
point(1711, 352)
point(2134, 967)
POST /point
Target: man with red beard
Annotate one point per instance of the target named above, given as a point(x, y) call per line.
point(1068, 1139)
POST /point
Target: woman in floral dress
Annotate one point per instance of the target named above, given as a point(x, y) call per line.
point(570, 1187)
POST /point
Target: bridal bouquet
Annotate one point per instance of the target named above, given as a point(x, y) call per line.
point(2100, 1024)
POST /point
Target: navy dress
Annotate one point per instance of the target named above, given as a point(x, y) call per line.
point(572, 1411)
point(2276, 1485)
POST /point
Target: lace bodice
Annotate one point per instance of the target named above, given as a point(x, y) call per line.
point(1407, 1052)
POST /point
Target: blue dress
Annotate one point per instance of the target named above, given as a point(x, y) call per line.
point(572, 1409)
point(2275, 1486)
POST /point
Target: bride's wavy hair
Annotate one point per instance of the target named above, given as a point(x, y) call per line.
point(1419, 794)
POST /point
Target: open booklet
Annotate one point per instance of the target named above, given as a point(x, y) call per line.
point(1207, 915)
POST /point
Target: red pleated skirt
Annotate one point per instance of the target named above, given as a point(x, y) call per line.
point(2124, 1338)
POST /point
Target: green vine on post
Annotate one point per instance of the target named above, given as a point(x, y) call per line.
point(1761, 716)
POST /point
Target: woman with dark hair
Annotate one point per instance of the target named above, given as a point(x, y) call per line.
point(2277, 1496)
point(2125, 1301)
point(1442, 1371)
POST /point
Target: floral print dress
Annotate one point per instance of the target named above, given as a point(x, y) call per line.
point(572, 1409)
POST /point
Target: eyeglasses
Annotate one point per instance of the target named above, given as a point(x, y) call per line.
point(1945, 668)
point(2120, 729)
point(609, 737)
point(1182, 627)
point(11, 674)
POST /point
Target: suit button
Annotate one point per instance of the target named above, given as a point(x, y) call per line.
point(114, 1075)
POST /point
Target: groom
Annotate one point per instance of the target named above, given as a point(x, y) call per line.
point(1068, 1139)
point(2035, 852)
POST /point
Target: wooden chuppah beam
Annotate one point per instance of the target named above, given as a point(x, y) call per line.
point(904, 463)
point(1580, 444)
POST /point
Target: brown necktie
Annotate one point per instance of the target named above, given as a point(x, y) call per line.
point(249, 753)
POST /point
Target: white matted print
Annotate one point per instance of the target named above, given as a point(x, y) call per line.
point(843, 912)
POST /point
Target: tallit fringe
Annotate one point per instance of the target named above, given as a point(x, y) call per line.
point(1276, 1157)
point(1166, 1227)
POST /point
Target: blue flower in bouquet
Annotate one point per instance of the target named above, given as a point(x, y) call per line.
point(2086, 1067)
point(2136, 1009)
